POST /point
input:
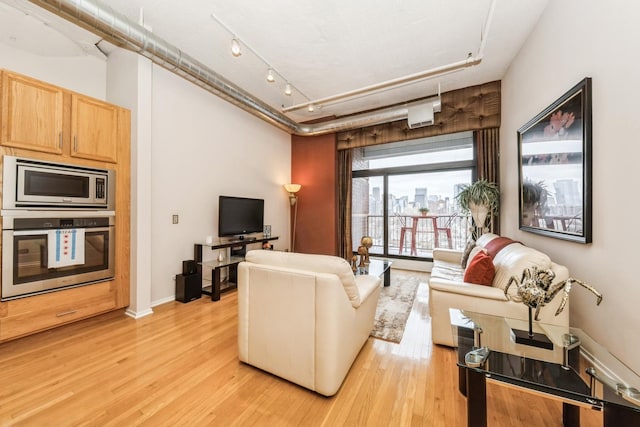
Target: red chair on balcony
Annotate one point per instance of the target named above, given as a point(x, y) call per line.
point(403, 231)
point(445, 228)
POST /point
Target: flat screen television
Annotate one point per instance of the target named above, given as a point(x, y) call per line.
point(238, 216)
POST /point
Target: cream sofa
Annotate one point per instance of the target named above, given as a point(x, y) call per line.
point(447, 288)
point(303, 317)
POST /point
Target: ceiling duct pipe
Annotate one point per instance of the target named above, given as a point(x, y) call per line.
point(116, 28)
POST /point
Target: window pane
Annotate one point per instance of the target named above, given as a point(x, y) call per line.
point(423, 151)
point(414, 233)
point(367, 212)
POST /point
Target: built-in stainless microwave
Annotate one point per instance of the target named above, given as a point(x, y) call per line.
point(36, 184)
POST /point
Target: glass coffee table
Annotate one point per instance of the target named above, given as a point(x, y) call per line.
point(576, 370)
point(377, 267)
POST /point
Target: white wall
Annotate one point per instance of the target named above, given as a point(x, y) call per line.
point(204, 147)
point(83, 74)
point(576, 39)
point(189, 147)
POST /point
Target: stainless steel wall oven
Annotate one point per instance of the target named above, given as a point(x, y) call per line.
point(38, 251)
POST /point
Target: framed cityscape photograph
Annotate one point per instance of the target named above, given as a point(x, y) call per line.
point(554, 150)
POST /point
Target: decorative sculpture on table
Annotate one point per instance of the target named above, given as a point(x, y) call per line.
point(363, 250)
point(364, 255)
point(535, 290)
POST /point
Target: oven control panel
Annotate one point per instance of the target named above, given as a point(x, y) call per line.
point(53, 223)
point(83, 222)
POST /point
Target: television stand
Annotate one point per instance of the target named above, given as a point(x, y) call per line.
point(238, 249)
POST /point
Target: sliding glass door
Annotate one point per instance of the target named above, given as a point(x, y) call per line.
point(403, 195)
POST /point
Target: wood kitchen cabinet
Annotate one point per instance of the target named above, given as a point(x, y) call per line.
point(94, 126)
point(32, 114)
point(44, 122)
point(28, 315)
point(42, 117)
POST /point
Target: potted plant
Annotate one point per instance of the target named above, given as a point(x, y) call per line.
point(480, 198)
point(423, 211)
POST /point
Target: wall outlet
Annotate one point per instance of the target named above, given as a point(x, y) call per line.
point(174, 219)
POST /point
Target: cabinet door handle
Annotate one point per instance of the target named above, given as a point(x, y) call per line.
point(75, 143)
point(60, 140)
point(66, 313)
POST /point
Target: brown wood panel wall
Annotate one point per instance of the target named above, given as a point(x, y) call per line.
point(314, 166)
point(471, 108)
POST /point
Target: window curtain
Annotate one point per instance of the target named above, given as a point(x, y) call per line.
point(468, 109)
point(488, 162)
point(344, 205)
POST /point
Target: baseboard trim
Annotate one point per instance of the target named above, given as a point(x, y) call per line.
point(143, 313)
point(137, 315)
point(163, 301)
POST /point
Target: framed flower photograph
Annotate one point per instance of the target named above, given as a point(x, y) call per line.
point(554, 150)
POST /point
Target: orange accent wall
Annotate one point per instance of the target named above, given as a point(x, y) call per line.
point(314, 164)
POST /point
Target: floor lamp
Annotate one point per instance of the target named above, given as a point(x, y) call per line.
point(292, 189)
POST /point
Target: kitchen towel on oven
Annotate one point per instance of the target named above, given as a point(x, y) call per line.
point(65, 247)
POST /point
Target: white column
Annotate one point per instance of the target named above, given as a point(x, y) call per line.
point(129, 84)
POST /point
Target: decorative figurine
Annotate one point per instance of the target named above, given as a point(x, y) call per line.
point(364, 256)
point(354, 263)
point(366, 242)
point(535, 289)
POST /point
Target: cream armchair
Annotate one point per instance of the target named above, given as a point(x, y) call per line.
point(303, 317)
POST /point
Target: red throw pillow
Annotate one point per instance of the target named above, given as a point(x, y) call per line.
point(480, 270)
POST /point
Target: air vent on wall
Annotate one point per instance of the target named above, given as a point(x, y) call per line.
point(420, 116)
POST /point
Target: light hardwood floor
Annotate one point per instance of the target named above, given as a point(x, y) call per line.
point(179, 366)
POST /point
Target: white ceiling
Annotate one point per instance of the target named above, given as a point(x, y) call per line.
point(322, 48)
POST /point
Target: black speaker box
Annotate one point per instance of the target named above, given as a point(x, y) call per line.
point(188, 287)
point(189, 267)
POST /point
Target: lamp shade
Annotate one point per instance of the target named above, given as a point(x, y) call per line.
point(292, 188)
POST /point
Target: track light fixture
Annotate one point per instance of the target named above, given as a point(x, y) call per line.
point(235, 47)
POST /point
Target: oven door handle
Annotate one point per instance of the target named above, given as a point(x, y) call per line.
point(39, 232)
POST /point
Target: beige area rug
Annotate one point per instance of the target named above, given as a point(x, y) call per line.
point(394, 306)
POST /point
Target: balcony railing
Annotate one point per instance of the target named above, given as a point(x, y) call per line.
point(421, 233)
